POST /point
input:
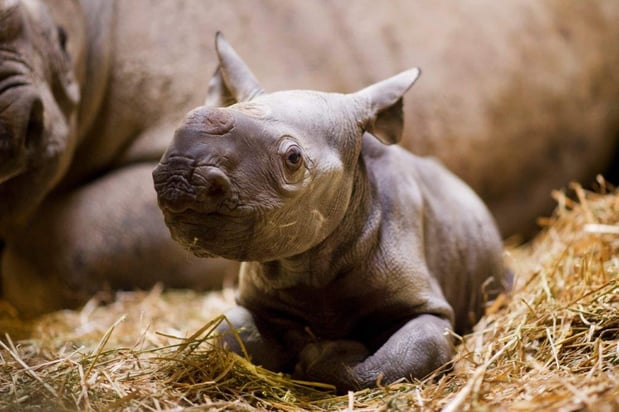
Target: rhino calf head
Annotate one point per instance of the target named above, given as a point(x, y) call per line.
point(272, 175)
point(373, 250)
point(38, 101)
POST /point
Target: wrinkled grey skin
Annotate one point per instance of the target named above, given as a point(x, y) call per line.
point(359, 255)
point(77, 214)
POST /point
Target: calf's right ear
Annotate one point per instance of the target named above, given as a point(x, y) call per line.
point(381, 106)
point(233, 81)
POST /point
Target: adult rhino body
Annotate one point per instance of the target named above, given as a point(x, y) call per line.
point(518, 98)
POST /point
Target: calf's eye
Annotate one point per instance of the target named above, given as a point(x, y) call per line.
point(293, 157)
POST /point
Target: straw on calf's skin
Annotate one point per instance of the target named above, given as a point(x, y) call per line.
point(359, 255)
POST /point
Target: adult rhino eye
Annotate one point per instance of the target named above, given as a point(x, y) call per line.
point(62, 38)
point(293, 158)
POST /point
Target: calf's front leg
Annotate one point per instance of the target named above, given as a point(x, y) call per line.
point(264, 346)
point(415, 350)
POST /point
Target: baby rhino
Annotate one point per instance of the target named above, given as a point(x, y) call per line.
point(359, 256)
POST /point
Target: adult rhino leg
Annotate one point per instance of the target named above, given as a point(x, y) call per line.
point(108, 234)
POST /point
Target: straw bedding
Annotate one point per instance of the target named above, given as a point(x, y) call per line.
point(553, 344)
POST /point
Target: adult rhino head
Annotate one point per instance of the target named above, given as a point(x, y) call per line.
point(39, 98)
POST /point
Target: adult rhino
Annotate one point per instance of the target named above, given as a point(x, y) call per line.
point(517, 98)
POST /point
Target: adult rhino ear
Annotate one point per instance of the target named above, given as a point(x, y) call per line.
point(232, 82)
point(381, 112)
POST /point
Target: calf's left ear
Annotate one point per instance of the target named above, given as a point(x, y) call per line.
point(381, 106)
point(233, 81)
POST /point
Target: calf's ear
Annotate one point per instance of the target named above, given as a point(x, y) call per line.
point(233, 81)
point(381, 106)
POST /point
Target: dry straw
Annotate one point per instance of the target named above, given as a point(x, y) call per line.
point(552, 345)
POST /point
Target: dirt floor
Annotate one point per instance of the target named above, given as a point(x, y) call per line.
point(552, 345)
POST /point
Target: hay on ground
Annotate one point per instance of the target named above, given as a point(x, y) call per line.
point(552, 345)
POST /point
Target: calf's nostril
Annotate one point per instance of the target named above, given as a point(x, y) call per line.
point(218, 185)
point(215, 184)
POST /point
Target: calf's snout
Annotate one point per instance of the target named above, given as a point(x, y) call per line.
point(181, 187)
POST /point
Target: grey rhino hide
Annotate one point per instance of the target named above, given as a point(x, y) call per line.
point(77, 216)
point(359, 256)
